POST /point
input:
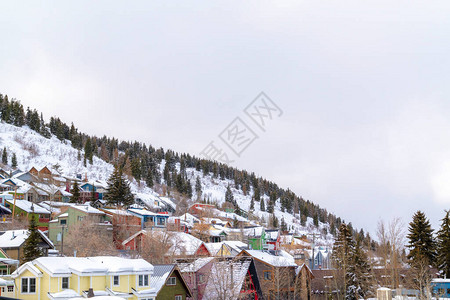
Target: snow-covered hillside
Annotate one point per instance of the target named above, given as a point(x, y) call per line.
point(34, 150)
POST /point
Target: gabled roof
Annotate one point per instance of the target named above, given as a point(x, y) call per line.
point(181, 243)
point(144, 212)
point(29, 207)
point(27, 266)
point(270, 259)
point(15, 238)
point(226, 278)
point(100, 265)
point(160, 275)
point(194, 266)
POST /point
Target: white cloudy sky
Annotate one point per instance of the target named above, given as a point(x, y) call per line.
point(364, 86)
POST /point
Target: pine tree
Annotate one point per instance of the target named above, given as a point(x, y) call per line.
point(198, 187)
point(5, 156)
point(88, 151)
point(421, 252)
point(14, 160)
point(252, 204)
point(316, 220)
point(283, 224)
point(149, 178)
point(341, 255)
point(421, 243)
point(75, 191)
point(93, 197)
point(229, 195)
point(257, 194)
point(262, 205)
point(359, 275)
point(118, 191)
point(443, 246)
point(31, 248)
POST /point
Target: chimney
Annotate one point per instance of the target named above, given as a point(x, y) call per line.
point(90, 293)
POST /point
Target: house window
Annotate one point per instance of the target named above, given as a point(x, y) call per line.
point(201, 278)
point(267, 275)
point(65, 283)
point(143, 280)
point(63, 222)
point(171, 281)
point(116, 280)
point(178, 297)
point(10, 289)
point(3, 290)
point(28, 285)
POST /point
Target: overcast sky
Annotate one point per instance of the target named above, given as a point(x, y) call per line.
point(363, 86)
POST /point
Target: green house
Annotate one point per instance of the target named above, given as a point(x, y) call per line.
point(72, 215)
point(168, 283)
point(24, 208)
point(256, 238)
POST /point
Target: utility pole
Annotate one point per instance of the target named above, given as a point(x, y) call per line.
point(62, 240)
point(313, 246)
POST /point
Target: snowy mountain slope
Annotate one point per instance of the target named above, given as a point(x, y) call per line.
point(34, 150)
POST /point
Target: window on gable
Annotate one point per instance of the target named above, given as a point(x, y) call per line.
point(143, 280)
point(116, 280)
point(28, 285)
point(267, 275)
point(63, 221)
point(65, 283)
point(171, 281)
point(178, 297)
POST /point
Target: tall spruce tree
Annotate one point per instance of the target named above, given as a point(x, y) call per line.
point(118, 191)
point(420, 236)
point(5, 156)
point(342, 255)
point(14, 160)
point(88, 151)
point(229, 195)
point(262, 205)
point(359, 276)
point(149, 178)
point(75, 191)
point(198, 188)
point(421, 252)
point(31, 248)
point(443, 246)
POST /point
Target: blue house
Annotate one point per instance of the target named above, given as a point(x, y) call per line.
point(440, 287)
point(150, 219)
point(98, 189)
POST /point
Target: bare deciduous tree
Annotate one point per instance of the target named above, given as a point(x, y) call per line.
point(88, 238)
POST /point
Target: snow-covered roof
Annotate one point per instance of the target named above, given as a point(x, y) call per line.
point(237, 246)
point(160, 275)
point(272, 234)
point(180, 243)
point(119, 212)
point(63, 266)
point(254, 231)
point(124, 265)
point(88, 209)
point(213, 248)
point(63, 295)
point(274, 260)
point(195, 265)
point(144, 212)
point(29, 207)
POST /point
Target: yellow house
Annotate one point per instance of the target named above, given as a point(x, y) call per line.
point(58, 278)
